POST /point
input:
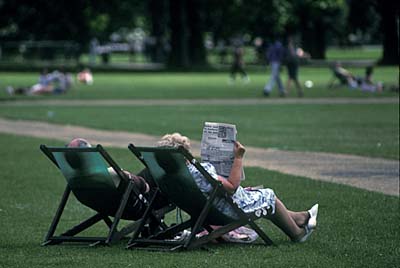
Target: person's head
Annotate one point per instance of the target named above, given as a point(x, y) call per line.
point(74, 159)
point(336, 65)
point(174, 140)
point(79, 142)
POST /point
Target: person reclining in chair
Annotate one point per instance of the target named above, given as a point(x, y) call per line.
point(345, 77)
point(142, 180)
point(297, 225)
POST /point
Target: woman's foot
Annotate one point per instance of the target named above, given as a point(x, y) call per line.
point(312, 221)
point(307, 234)
point(310, 225)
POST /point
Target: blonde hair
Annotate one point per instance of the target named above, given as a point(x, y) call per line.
point(174, 140)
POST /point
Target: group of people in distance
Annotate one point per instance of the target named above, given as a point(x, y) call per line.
point(52, 83)
point(297, 225)
point(56, 82)
point(346, 78)
point(276, 55)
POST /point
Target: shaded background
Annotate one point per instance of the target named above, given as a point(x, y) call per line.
point(180, 33)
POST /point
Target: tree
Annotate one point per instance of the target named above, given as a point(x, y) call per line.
point(230, 18)
point(195, 20)
point(44, 20)
point(106, 17)
point(364, 28)
point(318, 19)
point(158, 14)
point(389, 11)
point(379, 22)
point(186, 33)
point(179, 55)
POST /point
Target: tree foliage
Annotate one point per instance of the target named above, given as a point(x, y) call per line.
point(43, 20)
point(178, 27)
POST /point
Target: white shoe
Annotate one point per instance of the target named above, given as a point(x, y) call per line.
point(312, 221)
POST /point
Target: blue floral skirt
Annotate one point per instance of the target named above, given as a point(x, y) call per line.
point(260, 201)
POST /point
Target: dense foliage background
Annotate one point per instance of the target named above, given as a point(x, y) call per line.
point(180, 29)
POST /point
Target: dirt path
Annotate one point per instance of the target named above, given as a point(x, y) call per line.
point(374, 174)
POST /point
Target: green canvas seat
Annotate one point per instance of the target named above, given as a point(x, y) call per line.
point(169, 170)
point(85, 170)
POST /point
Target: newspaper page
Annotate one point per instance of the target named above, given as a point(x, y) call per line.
point(217, 145)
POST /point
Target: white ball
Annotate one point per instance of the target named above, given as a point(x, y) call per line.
point(309, 84)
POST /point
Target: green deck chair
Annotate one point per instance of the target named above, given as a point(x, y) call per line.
point(85, 170)
point(168, 168)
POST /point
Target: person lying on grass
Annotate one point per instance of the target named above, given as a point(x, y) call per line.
point(298, 226)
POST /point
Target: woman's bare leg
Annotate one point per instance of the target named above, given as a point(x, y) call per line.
point(285, 222)
point(301, 218)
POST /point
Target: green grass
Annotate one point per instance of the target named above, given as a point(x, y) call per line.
point(356, 53)
point(370, 130)
point(356, 228)
point(197, 85)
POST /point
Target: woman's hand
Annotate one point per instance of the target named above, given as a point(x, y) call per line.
point(239, 150)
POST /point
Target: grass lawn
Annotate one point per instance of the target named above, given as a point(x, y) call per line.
point(197, 85)
point(370, 130)
point(356, 228)
point(356, 53)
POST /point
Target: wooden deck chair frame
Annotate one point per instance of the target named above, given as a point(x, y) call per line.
point(163, 241)
point(114, 234)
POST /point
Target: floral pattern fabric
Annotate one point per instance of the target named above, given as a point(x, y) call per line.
point(261, 201)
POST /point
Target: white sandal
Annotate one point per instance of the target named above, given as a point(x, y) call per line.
point(306, 236)
point(312, 221)
point(311, 224)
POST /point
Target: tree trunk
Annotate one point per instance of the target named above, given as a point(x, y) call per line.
point(158, 10)
point(178, 56)
point(195, 20)
point(313, 37)
point(319, 40)
point(390, 29)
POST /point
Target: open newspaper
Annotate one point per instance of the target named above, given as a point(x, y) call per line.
point(217, 145)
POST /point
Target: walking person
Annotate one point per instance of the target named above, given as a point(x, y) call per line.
point(275, 55)
point(238, 64)
point(293, 56)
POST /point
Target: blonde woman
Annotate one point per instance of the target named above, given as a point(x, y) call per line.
point(297, 225)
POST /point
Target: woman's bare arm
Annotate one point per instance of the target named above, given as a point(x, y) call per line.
point(233, 182)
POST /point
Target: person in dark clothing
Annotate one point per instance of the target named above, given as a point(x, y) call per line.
point(143, 181)
point(292, 63)
point(238, 64)
point(275, 55)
